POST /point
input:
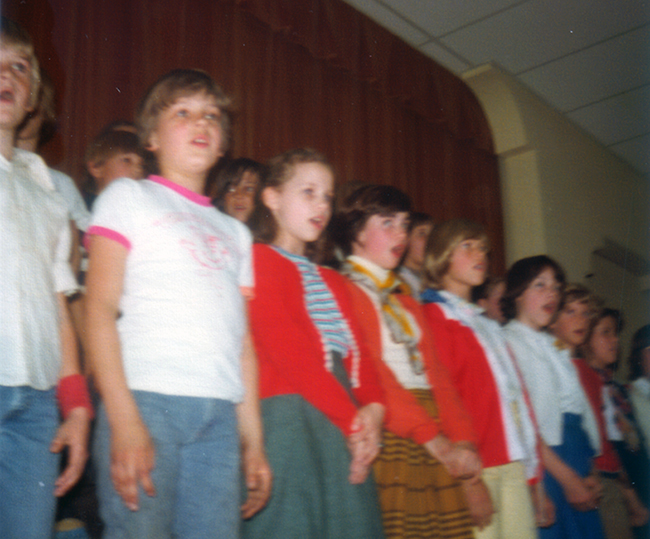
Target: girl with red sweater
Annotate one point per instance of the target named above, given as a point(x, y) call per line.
point(483, 370)
point(322, 404)
point(428, 437)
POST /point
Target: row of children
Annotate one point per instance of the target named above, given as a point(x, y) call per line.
point(473, 429)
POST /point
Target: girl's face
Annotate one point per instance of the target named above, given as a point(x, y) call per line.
point(602, 348)
point(416, 244)
point(383, 239)
point(467, 267)
point(572, 323)
point(301, 206)
point(240, 198)
point(187, 139)
point(539, 302)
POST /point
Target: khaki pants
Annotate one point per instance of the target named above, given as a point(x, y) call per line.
point(514, 516)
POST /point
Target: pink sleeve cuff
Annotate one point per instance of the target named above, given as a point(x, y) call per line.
point(107, 233)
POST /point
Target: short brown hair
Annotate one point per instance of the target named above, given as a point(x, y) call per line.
point(521, 274)
point(441, 243)
point(361, 205)
point(110, 143)
point(13, 35)
point(175, 84)
point(280, 170)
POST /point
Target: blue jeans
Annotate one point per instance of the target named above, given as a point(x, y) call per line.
point(196, 474)
point(28, 422)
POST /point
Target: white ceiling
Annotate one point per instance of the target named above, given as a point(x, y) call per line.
point(590, 59)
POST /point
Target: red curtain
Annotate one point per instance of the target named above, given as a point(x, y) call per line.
point(303, 73)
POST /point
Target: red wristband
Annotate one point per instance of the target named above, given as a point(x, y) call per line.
point(72, 392)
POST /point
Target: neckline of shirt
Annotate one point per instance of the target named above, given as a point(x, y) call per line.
point(202, 200)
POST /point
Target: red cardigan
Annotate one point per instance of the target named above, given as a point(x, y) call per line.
point(405, 416)
point(464, 357)
point(289, 347)
point(608, 460)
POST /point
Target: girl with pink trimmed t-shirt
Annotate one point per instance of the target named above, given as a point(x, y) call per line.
point(167, 339)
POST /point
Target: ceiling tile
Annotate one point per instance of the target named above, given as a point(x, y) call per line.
point(445, 57)
point(636, 152)
point(439, 17)
point(536, 32)
point(594, 74)
point(618, 118)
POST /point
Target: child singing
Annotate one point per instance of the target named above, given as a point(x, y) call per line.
point(167, 332)
point(322, 404)
point(475, 352)
point(428, 437)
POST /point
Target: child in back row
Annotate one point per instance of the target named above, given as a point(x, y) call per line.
point(568, 428)
point(474, 349)
point(237, 187)
point(410, 271)
point(321, 400)
point(428, 436)
point(39, 362)
point(176, 387)
point(113, 154)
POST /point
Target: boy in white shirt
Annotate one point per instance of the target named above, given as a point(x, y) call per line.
point(37, 342)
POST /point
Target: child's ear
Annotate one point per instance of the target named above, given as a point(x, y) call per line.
point(95, 168)
point(152, 142)
point(270, 198)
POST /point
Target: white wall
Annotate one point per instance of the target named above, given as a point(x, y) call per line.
point(563, 192)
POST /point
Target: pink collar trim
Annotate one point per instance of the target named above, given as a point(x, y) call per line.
point(183, 191)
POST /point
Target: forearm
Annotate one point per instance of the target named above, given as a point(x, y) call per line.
point(105, 363)
point(560, 471)
point(69, 350)
point(248, 411)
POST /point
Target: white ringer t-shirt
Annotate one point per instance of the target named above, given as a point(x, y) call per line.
point(183, 312)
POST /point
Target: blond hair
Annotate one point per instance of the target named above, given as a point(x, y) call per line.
point(444, 238)
point(13, 35)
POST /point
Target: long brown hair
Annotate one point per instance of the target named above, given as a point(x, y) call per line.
point(280, 170)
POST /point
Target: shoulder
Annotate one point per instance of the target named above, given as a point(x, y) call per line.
point(271, 266)
point(431, 295)
point(38, 170)
point(123, 186)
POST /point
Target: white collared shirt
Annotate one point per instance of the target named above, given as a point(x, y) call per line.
point(515, 415)
point(552, 382)
point(35, 250)
point(640, 398)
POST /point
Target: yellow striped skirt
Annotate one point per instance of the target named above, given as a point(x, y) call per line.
point(418, 498)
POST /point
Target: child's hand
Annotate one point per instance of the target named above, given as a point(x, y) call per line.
point(132, 460)
point(367, 424)
point(73, 434)
point(583, 494)
point(365, 441)
point(479, 502)
point(460, 459)
point(543, 505)
point(259, 479)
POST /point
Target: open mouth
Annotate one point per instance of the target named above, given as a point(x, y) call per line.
point(318, 222)
point(398, 251)
point(201, 142)
point(550, 308)
point(7, 96)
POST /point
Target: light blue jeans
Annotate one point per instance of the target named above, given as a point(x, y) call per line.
point(28, 422)
point(196, 475)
